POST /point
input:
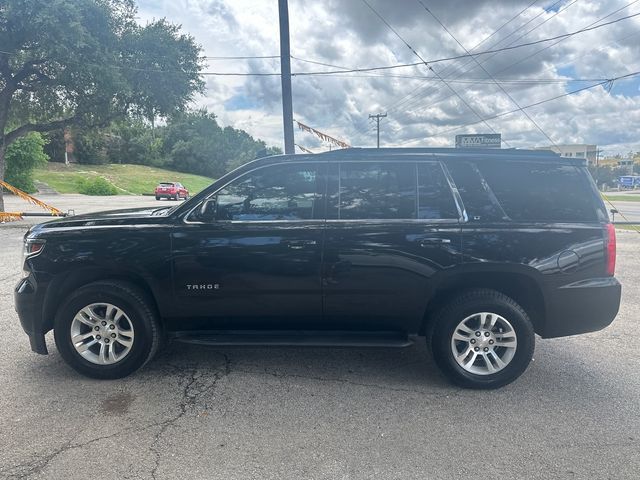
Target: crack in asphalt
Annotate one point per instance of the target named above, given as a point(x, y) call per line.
point(27, 469)
point(192, 391)
point(194, 388)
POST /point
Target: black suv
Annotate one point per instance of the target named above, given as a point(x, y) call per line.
point(474, 249)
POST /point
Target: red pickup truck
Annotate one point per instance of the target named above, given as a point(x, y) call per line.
point(171, 191)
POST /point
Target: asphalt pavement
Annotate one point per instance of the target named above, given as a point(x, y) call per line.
point(319, 413)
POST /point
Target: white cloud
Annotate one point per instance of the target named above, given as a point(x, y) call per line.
point(347, 32)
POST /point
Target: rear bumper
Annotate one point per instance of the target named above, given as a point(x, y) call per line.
point(28, 304)
point(581, 307)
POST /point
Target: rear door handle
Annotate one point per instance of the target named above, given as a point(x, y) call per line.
point(426, 242)
point(300, 244)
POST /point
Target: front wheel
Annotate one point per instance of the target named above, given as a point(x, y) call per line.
point(107, 330)
point(482, 339)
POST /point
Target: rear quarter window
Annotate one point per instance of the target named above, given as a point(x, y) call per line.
point(479, 202)
point(541, 192)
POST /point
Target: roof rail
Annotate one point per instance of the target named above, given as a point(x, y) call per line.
point(441, 150)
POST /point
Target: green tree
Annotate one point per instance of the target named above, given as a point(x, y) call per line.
point(91, 146)
point(23, 156)
point(87, 62)
point(132, 140)
point(194, 142)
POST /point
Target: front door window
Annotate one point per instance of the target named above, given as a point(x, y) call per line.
point(282, 192)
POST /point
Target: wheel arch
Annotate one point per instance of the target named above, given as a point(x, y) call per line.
point(60, 288)
point(520, 286)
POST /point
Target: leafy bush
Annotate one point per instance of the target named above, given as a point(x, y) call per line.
point(97, 186)
point(23, 156)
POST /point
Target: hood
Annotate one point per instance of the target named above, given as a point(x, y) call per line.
point(129, 216)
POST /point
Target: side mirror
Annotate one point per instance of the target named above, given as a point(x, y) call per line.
point(614, 211)
point(208, 209)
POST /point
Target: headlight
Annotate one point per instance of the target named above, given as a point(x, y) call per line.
point(33, 247)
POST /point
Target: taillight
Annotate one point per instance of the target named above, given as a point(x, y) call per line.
point(611, 249)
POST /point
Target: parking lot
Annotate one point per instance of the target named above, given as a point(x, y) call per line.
point(280, 413)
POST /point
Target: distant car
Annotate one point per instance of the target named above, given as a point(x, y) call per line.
point(171, 191)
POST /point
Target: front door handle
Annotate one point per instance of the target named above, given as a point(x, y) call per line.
point(300, 244)
point(427, 242)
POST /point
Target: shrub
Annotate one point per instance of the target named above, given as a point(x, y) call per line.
point(98, 186)
point(23, 156)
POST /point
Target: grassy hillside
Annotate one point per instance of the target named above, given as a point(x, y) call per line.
point(128, 179)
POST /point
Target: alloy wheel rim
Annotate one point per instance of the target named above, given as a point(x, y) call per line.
point(102, 333)
point(484, 343)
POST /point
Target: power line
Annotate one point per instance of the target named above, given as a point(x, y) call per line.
point(590, 26)
point(500, 41)
point(499, 115)
point(486, 71)
point(413, 93)
point(315, 62)
point(428, 66)
point(243, 58)
point(485, 52)
point(476, 81)
point(385, 67)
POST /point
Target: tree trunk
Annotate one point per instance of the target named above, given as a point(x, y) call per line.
point(2, 151)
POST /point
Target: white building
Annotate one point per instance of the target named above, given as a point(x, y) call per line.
point(588, 152)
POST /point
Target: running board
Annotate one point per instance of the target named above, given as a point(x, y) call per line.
point(296, 339)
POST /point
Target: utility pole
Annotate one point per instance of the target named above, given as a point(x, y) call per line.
point(377, 118)
point(285, 75)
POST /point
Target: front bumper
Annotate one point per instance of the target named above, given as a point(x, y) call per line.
point(28, 303)
point(581, 307)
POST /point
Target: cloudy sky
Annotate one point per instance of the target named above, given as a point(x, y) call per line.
point(422, 109)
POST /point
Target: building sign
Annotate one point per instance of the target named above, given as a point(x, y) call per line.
point(480, 140)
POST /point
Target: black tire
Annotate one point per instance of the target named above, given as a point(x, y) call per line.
point(157, 197)
point(137, 307)
point(176, 197)
point(440, 333)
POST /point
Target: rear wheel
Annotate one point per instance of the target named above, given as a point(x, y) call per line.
point(482, 339)
point(107, 330)
point(157, 197)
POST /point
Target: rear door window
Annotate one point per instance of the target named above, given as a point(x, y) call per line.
point(377, 191)
point(391, 191)
point(541, 192)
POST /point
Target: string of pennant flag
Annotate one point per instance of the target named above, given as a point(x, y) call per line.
point(11, 216)
point(305, 150)
point(322, 136)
